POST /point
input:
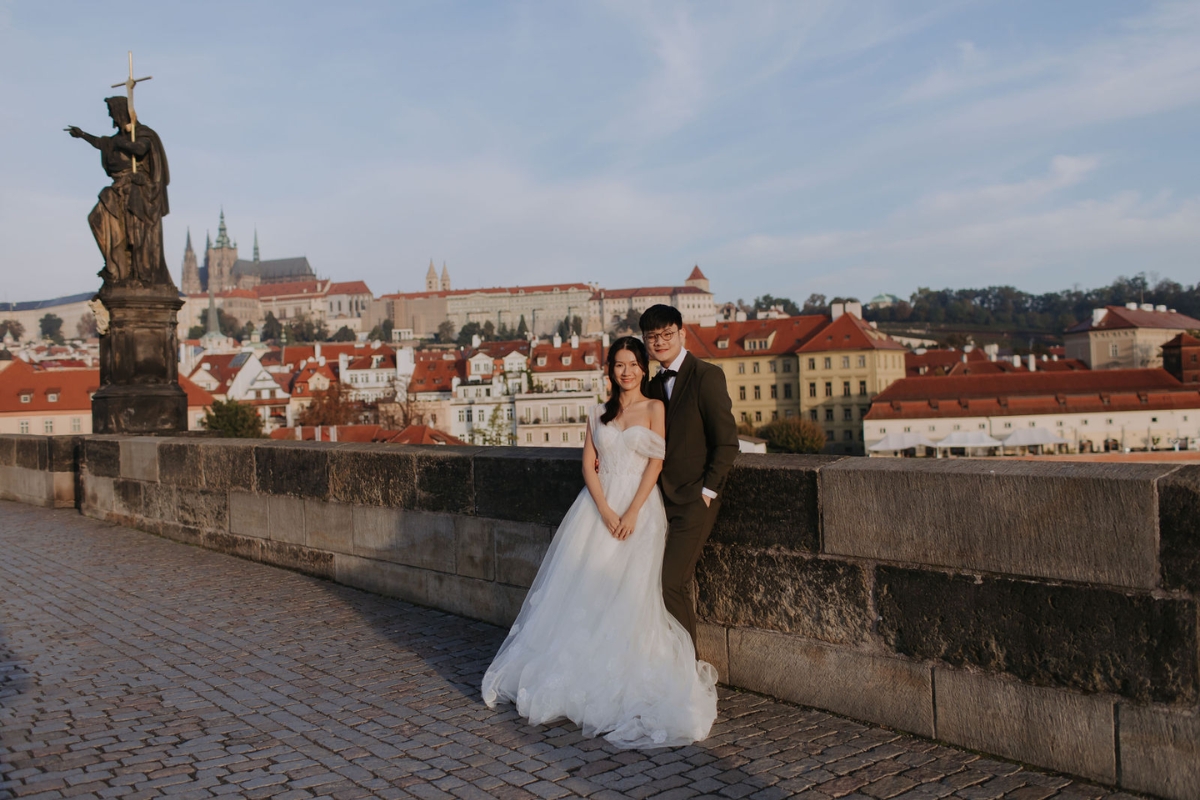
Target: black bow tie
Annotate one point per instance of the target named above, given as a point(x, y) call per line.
point(667, 373)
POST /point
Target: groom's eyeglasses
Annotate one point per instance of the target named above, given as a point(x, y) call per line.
point(664, 337)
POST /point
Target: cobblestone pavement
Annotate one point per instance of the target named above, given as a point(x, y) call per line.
point(131, 666)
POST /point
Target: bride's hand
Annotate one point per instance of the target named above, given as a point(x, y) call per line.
point(627, 523)
point(611, 520)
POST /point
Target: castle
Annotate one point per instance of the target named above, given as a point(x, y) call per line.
point(227, 271)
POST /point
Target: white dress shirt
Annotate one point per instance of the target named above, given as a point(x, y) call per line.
point(669, 387)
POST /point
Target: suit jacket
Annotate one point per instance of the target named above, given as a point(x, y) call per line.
point(702, 439)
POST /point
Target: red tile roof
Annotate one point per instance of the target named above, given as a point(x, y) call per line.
point(307, 288)
point(848, 332)
point(1183, 340)
point(696, 275)
point(348, 287)
point(1032, 393)
point(549, 287)
point(790, 333)
point(424, 434)
point(74, 388)
point(1117, 317)
point(645, 291)
point(436, 375)
point(555, 357)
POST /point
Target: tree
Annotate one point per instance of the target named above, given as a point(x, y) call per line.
point(577, 325)
point(489, 331)
point(766, 302)
point(86, 327)
point(381, 332)
point(445, 332)
point(272, 328)
point(793, 435)
point(468, 331)
point(303, 329)
point(330, 406)
point(15, 328)
point(51, 327)
point(343, 334)
point(632, 321)
point(815, 304)
point(498, 431)
point(233, 419)
point(522, 328)
point(227, 324)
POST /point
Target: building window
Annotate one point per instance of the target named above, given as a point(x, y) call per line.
point(758, 393)
point(845, 388)
point(774, 415)
point(741, 393)
point(862, 387)
point(48, 426)
point(23, 426)
point(1059, 423)
point(862, 361)
point(26, 397)
point(745, 417)
point(758, 416)
point(828, 389)
point(787, 391)
point(908, 429)
point(469, 416)
point(741, 368)
point(828, 362)
point(774, 391)
point(76, 425)
point(581, 435)
point(812, 414)
point(52, 397)
point(771, 366)
point(529, 438)
point(829, 415)
point(754, 368)
point(787, 366)
point(862, 411)
point(812, 363)
point(812, 390)
point(848, 436)
point(1008, 425)
point(566, 437)
point(546, 436)
point(848, 414)
point(845, 362)
point(1113, 350)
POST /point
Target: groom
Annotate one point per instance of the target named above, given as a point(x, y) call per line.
point(702, 442)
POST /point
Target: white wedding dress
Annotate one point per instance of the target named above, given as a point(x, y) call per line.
point(594, 642)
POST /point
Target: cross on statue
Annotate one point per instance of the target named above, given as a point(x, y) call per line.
point(129, 83)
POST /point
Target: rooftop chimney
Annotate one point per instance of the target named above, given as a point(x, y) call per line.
point(1098, 315)
point(1160, 308)
point(317, 350)
point(604, 341)
point(1016, 361)
point(992, 351)
point(475, 340)
point(854, 308)
point(837, 309)
point(574, 341)
point(1131, 306)
point(1032, 361)
point(557, 340)
point(1147, 306)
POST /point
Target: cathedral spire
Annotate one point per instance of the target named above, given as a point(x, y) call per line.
point(223, 233)
point(187, 248)
point(445, 278)
point(431, 278)
point(256, 245)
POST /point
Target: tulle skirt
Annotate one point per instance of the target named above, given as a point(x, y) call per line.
point(594, 642)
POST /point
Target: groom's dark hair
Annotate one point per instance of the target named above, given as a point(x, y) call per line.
point(660, 316)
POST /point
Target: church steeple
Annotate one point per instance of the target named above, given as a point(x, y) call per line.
point(256, 245)
point(431, 278)
point(445, 278)
point(222, 233)
point(191, 273)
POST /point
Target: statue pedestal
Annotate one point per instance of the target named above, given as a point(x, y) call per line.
point(139, 363)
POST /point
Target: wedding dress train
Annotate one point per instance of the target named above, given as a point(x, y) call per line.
point(593, 642)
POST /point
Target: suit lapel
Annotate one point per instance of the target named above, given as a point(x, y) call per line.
point(682, 381)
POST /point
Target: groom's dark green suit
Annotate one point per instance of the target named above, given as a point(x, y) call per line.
point(702, 443)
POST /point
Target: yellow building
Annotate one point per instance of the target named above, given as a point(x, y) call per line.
point(841, 369)
point(759, 361)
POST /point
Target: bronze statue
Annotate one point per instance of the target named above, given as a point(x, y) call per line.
point(139, 368)
point(127, 220)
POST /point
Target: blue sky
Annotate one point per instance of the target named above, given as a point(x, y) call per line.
point(838, 147)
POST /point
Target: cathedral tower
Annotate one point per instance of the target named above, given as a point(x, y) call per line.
point(219, 258)
point(445, 278)
point(431, 278)
point(191, 271)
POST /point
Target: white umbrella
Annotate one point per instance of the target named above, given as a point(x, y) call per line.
point(1028, 437)
point(901, 441)
point(969, 439)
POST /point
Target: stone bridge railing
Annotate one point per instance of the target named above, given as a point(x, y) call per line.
point(1043, 612)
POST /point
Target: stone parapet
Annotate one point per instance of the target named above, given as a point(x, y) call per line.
point(1041, 612)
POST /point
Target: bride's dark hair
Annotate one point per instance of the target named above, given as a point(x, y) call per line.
point(635, 346)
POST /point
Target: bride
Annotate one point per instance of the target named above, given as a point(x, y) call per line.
point(594, 642)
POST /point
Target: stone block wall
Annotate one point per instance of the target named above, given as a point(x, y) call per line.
point(39, 470)
point(1044, 612)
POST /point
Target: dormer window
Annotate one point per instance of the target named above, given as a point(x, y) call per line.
point(566, 360)
point(722, 344)
point(52, 397)
point(541, 361)
point(589, 359)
